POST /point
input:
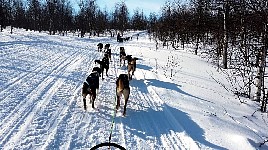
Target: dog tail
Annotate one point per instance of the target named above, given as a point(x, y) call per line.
point(120, 85)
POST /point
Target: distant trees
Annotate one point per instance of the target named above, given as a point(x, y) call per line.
point(57, 16)
point(152, 24)
point(19, 14)
point(102, 22)
point(138, 21)
point(90, 16)
point(6, 14)
point(120, 18)
point(33, 16)
point(233, 33)
point(3, 14)
point(50, 15)
point(86, 19)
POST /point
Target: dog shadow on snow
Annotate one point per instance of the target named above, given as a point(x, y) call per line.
point(162, 123)
point(144, 67)
point(165, 125)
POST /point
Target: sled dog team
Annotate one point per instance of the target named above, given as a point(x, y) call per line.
point(91, 84)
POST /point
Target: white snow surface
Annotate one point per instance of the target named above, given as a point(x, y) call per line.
point(41, 77)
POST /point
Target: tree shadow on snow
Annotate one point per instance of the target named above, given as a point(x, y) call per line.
point(167, 124)
point(162, 121)
point(171, 86)
point(254, 144)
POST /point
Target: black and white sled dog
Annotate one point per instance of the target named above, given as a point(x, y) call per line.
point(104, 64)
point(90, 87)
point(122, 55)
point(100, 47)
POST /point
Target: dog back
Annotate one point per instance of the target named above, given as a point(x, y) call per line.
point(109, 51)
point(100, 62)
point(88, 86)
point(122, 82)
point(131, 64)
point(122, 54)
point(107, 46)
point(100, 45)
point(105, 61)
point(97, 69)
point(129, 58)
point(93, 80)
point(132, 61)
point(97, 61)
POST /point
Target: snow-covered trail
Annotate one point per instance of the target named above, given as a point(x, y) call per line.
point(41, 77)
point(41, 97)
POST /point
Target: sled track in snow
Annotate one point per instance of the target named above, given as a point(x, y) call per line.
point(75, 113)
point(26, 110)
point(138, 128)
point(35, 100)
point(51, 112)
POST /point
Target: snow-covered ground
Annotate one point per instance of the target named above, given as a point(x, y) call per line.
point(174, 102)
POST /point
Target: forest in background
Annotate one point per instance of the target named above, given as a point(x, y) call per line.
point(232, 34)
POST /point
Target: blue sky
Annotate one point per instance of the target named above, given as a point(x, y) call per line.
point(146, 6)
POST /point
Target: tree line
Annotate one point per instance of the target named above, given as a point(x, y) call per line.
point(58, 16)
point(233, 34)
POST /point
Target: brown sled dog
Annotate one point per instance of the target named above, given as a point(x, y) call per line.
point(131, 66)
point(90, 87)
point(122, 88)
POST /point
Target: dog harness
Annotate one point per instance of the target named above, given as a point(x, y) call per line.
point(87, 83)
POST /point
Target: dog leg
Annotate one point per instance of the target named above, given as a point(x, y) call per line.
point(84, 95)
point(93, 96)
point(107, 72)
point(125, 108)
point(118, 102)
point(126, 96)
point(90, 97)
point(85, 104)
point(93, 100)
point(129, 76)
point(102, 70)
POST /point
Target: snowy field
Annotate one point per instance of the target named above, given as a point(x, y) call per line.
point(174, 102)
